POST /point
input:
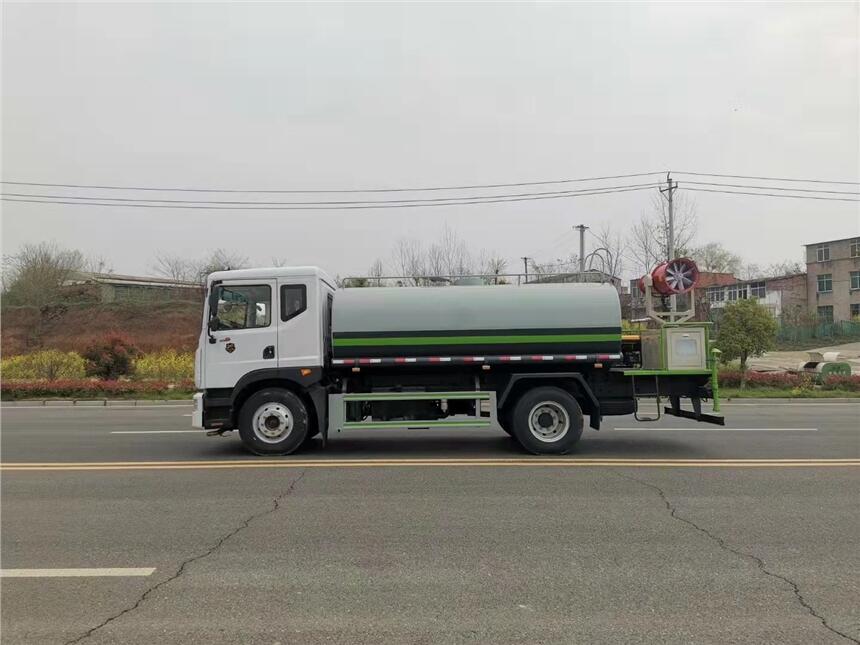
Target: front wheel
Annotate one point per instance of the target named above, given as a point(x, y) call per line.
point(273, 421)
point(547, 420)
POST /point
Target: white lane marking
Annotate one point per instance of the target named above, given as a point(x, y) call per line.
point(74, 573)
point(155, 431)
point(644, 427)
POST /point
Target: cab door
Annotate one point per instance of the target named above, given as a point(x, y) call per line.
point(242, 333)
point(299, 337)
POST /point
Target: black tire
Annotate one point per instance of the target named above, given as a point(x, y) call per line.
point(558, 438)
point(505, 422)
point(293, 432)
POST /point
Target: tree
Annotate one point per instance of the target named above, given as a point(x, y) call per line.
point(409, 260)
point(611, 257)
point(716, 258)
point(492, 265)
point(449, 256)
point(219, 260)
point(561, 265)
point(746, 330)
point(37, 273)
point(377, 270)
point(174, 267)
point(352, 283)
point(649, 238)
point(190, 270)
point(773, 270)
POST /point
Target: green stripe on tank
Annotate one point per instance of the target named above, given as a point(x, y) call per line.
point(475, 340)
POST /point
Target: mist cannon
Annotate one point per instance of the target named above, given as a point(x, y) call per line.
point(672, 278)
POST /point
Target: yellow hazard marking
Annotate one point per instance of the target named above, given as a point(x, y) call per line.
point(535, 462)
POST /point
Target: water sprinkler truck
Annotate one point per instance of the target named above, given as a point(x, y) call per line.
point(284, 356)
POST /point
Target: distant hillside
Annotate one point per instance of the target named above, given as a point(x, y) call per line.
point(71, 327)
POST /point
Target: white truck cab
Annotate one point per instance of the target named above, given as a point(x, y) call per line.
point(268, 322)
point(263, 319)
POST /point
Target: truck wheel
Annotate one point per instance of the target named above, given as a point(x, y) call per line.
point(505, 423)
point(547, 420)
point(273, 422)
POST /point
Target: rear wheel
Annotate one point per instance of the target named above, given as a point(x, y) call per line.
point(547, 420)
point(505, 422)
point(273, 422)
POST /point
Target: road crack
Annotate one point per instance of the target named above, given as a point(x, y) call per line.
point(274, 506)
point(673, 513)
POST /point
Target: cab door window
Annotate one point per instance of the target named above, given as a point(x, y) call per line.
point(244, 306)
point(294, 300)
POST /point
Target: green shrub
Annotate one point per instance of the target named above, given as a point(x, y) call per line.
point(166, 365)
point(89, 389)
point(111, 357)
point(849, 383)
point(48, 364)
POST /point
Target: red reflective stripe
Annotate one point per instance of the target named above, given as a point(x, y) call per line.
point(434, 359)
point(364, 361)
point(399, 360)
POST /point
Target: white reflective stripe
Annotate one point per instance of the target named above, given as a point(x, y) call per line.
point(477, 358)
point(582, 357)
point(547, 358)
point(375, 360)
point(515, 358)
point(337, 361)
point(72, 573)
point(444, 359)
point(411, 360)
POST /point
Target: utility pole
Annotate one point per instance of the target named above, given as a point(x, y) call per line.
point(526, 267)
point(581, 228)
point(670, 189)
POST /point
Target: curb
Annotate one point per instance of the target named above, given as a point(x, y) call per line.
point(95, 403)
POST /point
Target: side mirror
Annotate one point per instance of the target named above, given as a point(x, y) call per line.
point(213, 299)
point(212, 324)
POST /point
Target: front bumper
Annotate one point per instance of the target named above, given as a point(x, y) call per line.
point(197, 413)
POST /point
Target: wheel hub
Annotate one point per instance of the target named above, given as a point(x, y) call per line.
point(548, 421)
point(272, 422)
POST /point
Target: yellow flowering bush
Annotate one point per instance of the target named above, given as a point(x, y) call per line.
point(166, 365)
point(48, 364)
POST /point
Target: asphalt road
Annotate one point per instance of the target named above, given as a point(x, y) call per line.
point(668, 532)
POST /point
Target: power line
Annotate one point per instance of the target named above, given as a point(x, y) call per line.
point(312, 207)
point(796, 190)
point(322, 203)
point(811, 181)
point(561, 239)
point(334, 190)
point(738, 192)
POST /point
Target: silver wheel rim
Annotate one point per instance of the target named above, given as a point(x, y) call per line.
point(272, 422)
point(548, 421)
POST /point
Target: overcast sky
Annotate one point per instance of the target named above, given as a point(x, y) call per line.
point(385, 95)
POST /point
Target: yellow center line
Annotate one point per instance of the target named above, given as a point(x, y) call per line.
point(431, 462)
